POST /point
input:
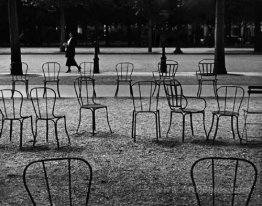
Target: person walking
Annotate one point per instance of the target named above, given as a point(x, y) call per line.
point(70, 53)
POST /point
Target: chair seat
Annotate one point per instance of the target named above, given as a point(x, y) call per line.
point(187, 110)
point(93, 106)
point(253, 111)
point(225, 113)
point(49, 116)
point(51, 80)
point(124, 80)
point(16, 117)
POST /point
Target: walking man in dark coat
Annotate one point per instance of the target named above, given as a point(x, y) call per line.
point(70, 53)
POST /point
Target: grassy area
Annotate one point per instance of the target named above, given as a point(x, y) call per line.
point(124, 172)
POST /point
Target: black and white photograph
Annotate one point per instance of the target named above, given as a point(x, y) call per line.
point(131, 102)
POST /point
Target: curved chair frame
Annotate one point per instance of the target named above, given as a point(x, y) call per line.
point(206, 73)
point(86, 99)
point(12, 112)
point(145, 103)
point(51, 71)
point(70, 174)
point(226, 109)
point(215, 187)
point(46, 112)
point(179, 104)
point(21, 78)
point(124, 71)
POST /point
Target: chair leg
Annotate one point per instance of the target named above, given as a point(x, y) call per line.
point(170, 121)
point(26, 89)
point(156, 120)
point(191, 124)
point(216, 130)
point(117, 88)
point(13, 88)
point(66, 130)
point(215, 87)
point(79, 120)
point(2, 126)
point(232, 126)
point(44, 89)
point(159, 127)
point(211, 127)
point(35, 133)
point(133, 120)
point(11, 129)
point(107, 118)
point(58, 91)
point(32, 126)
point(93, 121)
point(204, 124)
point(47, 130)
point(183, 127)
point(130, 89)
point(135, 126)
point(56, 134)
point(199, 88)
point(21, 132)
point(238, 133)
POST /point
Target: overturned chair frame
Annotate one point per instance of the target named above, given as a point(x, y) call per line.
point(124, 72)
point(58, 181)
point(145, 101)
point(85, 93)
point(43, 100)
point(223, 180)
point(179, 104)
point(11, 102)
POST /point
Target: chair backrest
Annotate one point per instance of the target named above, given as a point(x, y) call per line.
point(254, 91)
point(145, 95)
point(58, 181)
point(51, 71)
point(11, 102)
point(223, 181)
point(124, 70)
point(206, 67)
point(171, 68)
point(43, 101)
point(87, 69)
point(21, 77)
point(174, 94)
point(85, 90)
point(230, 98)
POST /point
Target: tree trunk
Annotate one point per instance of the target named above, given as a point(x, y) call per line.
point(16, 66)
point(150, 34)
point(258, 34)
point(62, 27)
point(219, 67)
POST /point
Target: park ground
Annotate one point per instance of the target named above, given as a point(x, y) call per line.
point(145, 172)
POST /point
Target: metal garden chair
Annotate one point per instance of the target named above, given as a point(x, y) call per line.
point(179, 104)
point(11, 109)
point(85, 93)
point(43, 100)
point(223, 181)
point(253, 115)
point(87, 70)
point(124, 72)
point(51, 71)
point(229, 101)
point(58, 181)
point(21, 78)
point(206, 73)
point(145, 95)
point(171, 70)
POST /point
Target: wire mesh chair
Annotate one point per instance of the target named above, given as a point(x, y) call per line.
point(206, 73)
point(253, 115)
point(171, 70)
point(21, 78)
point(179, 104)
point(51, 71)
point(145, 95)
point(43, 100)
point(223, 181)
point(124, 72)
point(229, 101)
point(11, 109)
point(85, 93)
point(58, 181)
